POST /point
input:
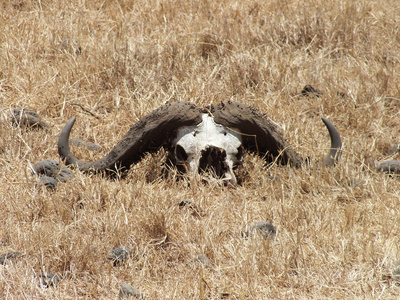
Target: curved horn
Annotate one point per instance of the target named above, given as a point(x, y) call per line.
point(149, 134)
point(336, 145)
point(263, 136)
point(259, 133)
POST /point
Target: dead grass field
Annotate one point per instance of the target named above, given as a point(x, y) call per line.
point(111, 62)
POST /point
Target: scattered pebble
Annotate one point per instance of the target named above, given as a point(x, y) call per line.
point(50, 172)
point(48, 280)
point(225, 295)
point(309, 90)
point(10, 256)
point(389, 166)
point(274, 178)
point(81, 143)
point(64, 175)
point(127, 291)
point(119, 255)
point(393, 274)
point(48, 182)
point(47, 167)
point(202, 259)
point(394, 150)
point(396, 274)
point(25, 117)
point(265, 229)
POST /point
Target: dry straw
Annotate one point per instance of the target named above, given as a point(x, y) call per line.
point(111, 62)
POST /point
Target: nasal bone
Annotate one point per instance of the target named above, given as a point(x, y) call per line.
point(229, 177)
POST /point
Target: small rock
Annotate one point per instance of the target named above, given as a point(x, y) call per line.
point(393, 274)
point(309, 90)
point(396, 274)
point(394, 150)
point(10, 256)
point(81, 143)
point(265, 229)
point(127, 291)
point(119, 255)
point(274, 178)
point(389, 166)
point(27, 118)
point(64, 175)
point(48, 182)
point(48, 280)
point(47, 167)
point(52, 168)
point(202, 259)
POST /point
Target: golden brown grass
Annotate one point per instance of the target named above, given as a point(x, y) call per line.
point(111, 62)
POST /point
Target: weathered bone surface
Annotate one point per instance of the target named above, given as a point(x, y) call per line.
point(208, 145)
point(200, 140)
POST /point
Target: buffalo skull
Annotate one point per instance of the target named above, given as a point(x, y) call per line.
point(199, 139)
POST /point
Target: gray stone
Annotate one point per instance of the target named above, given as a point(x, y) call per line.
point(81, 143)
point(264, 229)
point(47, 167)
point(396, 274)
point(52, 168)
point(126, 291)
point(25, 117)
point(64, 175)
point(48, 280)
point(48, 182)
point(203, 260)
point(394, 150)
point(119, 255)
point(309, 90)
point(396, 271)
point(389, 166)
point(10, 256)
point(274, 178)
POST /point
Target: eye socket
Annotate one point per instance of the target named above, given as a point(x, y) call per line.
point(180, 153)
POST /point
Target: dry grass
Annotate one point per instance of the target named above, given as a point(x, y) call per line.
point(111, 62)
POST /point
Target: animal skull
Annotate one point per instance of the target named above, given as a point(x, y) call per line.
point(208, 146)
point(199, 140)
